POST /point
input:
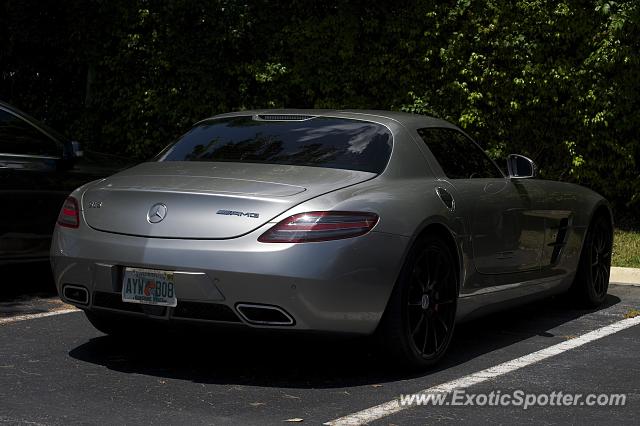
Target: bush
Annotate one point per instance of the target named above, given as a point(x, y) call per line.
point(556, 81)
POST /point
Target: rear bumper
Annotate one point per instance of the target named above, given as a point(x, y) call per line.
point(334, 286)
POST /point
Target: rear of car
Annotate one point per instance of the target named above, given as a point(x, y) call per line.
point(223, 226)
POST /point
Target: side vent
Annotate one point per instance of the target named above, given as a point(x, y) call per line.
point(284, 117)
point(560, 241)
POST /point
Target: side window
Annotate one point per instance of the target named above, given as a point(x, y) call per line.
point(459, 156)
point(19, 137)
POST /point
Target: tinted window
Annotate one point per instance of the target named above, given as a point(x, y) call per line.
point(318, 142)
point(459, 156)
point(19, 137)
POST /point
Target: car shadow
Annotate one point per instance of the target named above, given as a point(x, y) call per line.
point(304, 361)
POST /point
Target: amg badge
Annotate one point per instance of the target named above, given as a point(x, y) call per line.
point(235, 213)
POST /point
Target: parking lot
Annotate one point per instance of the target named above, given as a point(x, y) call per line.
point(56, 369)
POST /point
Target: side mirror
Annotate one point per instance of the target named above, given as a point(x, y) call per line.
point(521, 167)
point(76, 148)
point(71, 151)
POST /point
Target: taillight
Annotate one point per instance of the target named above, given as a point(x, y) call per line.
point(320, 226)
point(69, 214)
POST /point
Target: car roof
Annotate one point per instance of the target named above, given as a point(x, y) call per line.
point(51, 132)
point(11, 108)
point(385, 117)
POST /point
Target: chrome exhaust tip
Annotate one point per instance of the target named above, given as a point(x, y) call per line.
point(76, 294)
point(264, 314)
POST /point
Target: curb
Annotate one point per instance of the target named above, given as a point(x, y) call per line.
point(625, 276)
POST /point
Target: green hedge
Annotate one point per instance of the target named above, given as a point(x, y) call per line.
point(557, 81)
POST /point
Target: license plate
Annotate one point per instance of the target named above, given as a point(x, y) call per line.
point(149, 286)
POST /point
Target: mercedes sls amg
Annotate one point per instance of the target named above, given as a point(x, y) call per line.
point(355, 222)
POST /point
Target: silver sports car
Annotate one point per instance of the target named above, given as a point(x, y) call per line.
point(355, 222)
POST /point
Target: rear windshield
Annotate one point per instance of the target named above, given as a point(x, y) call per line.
point(318, 142)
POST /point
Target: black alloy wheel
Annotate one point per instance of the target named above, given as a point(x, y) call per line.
point(418, 324)
point(431, 302)
point(600, 258)
point(592, 278)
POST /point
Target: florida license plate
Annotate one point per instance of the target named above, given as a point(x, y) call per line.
point(149, 286)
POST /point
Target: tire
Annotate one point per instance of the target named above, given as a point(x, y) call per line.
point(591, 283)
point(419, 321)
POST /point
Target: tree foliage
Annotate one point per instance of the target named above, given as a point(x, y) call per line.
point(555, 80)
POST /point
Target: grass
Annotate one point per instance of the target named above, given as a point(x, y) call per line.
point(626, 249)
point(632, 313)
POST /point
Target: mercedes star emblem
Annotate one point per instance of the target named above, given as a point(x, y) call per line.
point(157, 213)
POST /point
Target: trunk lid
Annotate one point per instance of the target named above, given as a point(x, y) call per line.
point(194, 200)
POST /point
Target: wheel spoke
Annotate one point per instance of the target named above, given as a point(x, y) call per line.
point(445, 276)
point(426, 338)
point(435, 338)
point(417, 327)
point(602, 241)
point(414, 298)
point(444, 324)
point(436, 272)
point(594, 255)
point(604, 274)
point(417, 272)
point(600, 283)
point(428, 278)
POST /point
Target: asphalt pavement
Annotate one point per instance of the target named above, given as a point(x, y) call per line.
point(55, 368)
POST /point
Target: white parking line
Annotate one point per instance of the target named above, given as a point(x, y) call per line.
point(383, 410)
point(17, 318)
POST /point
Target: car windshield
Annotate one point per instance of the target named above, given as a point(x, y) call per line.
point(318, 142)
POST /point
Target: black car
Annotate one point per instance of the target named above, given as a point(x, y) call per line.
point(38, 169)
